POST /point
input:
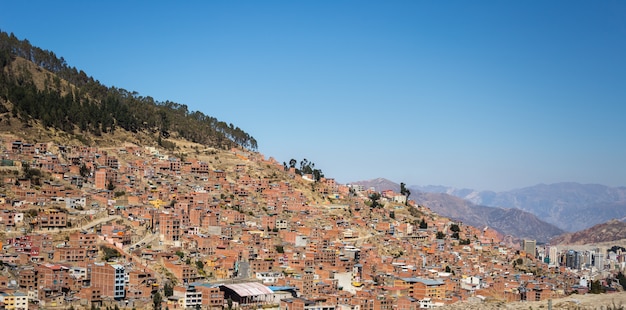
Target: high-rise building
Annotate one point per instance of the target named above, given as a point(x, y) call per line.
point(554, 256)
point(572, 259)
point(598, 258)
point(530, 247)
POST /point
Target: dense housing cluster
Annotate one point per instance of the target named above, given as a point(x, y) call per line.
point(138, 227)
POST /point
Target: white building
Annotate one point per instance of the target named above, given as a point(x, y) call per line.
point(76, 203)
point(120, 281)
point(188, 297)
point(269, 277)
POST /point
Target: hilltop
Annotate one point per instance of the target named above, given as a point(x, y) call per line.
point(40, 91)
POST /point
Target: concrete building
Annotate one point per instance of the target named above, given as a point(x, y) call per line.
point(14, 300)
point(110, 279)
point(169, 228)
point(188, 297)
point(530, 247)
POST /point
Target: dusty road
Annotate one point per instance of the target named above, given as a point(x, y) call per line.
point(589, 301)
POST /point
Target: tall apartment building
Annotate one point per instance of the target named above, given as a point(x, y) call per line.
point(100, 178)
point(86, 241)
point(530, 247)
point(27, 278)
point(573, 259)
point(598, 258)
point(110, 279)
point(169, 228)
point(52, 279)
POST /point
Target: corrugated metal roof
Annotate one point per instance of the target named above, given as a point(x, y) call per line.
point(249, 289)
point(422, 280)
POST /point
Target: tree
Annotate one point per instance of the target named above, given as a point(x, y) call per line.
point(622, 279)
point(180, 254)
point(404, 191)
point(423, 224)
point(110, 185)
point(317, 174)
point(440, 235)
point(374, 197)
point(596, 287)
point(168, 289)
point(199, 264)
point(84, 171)
point(156, 301)
point(455, 231)
point(109, 253)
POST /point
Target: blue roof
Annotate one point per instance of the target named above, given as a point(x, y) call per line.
point(281, 288)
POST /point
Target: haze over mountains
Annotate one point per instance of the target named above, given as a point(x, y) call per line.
point(570, 206)
point(538, 212)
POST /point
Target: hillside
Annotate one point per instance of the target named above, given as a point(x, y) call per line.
point(508, 221)
point(513, 222)
point(39, 89)
point(613, 230)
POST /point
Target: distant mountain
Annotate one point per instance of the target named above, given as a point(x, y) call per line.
point(570, 206)
point(514, 222)
point(612, 230)
point(380, 184)
point(465, 193)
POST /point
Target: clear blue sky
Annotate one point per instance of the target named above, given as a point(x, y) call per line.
point(479, 94)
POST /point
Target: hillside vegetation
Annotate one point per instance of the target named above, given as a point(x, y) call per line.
point(39, 88)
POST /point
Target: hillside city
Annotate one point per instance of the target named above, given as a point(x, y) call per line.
point(141, 227)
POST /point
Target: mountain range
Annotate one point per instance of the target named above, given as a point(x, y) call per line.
point(540, 212)
point(570, 206)
point(508, 221)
